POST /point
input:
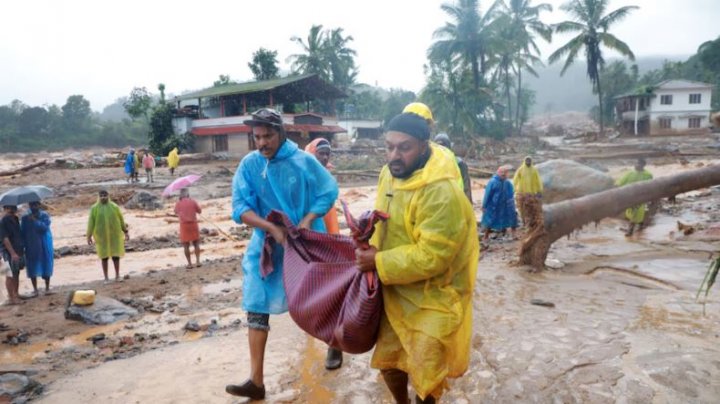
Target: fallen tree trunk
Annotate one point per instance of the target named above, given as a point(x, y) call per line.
point(564, 217)
point(22, 169)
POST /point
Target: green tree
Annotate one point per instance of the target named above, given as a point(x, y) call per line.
point(161, 88)
point(76, 113)
point(34, 122)
point(312, 58)
point(525, 24)
point(591, 23)
point(466, 38)
point(264, 65)
point(340, 58)
point(8, 125)
point(138, 103)
point(397, 100)
point(616, 79)
point(223, 80)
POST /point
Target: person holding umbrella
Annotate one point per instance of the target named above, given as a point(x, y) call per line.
point(13, 251)
point(187, 210)
point(37, 237)
point(107, 226)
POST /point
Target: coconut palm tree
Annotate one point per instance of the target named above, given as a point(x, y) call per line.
point(525, 24)
point(465, 38)
point(591, 24)
point(312, 60)
point(340, 59)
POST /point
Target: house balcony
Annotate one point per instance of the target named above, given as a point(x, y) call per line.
point(630, 115)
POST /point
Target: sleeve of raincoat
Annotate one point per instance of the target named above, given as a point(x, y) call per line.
point(538, 181)
point(120, 217)
point(439, 231)
point(41, 225)
point(198, 209)
point(243, 195)
point(490, 189)
point(518, 177)
point(323, 185)
point(624, 180)
point(91, 222)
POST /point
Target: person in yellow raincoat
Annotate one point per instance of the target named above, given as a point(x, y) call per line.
point(528, 189)
point(636, 214)
point(107, 227)
point(173, 160)
point(426, 256)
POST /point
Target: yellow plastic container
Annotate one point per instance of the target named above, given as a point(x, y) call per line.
point(83, 297)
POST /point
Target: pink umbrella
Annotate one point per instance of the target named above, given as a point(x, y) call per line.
point(180, 183)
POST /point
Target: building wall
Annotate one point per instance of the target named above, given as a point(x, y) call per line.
point(203, 144)
point(182, 124)
point(681, 101)
point(679, 122)
point(238, 144)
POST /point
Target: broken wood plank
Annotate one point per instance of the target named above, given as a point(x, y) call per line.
point(23, 169)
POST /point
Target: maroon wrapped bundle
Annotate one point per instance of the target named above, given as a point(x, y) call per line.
point(327, 296)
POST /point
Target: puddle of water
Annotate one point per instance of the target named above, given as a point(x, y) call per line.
point(686, 273)
point(103, 183)
point(27, 353)
point(311, 378)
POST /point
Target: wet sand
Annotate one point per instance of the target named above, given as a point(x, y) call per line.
point(624, 326)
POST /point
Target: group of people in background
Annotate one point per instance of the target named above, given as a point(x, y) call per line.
point(26, 243)
point(148, 161)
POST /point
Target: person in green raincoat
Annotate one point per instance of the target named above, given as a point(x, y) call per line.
point(636, 214)
point(107, 230)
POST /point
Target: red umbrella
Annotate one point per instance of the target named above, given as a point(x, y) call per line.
point(180, 183)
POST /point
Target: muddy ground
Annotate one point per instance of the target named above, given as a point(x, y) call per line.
point(623, 325)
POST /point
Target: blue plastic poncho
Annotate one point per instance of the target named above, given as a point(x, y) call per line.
point(293, 182)
point(499, 205)
point(130, 163)
point(38, 245)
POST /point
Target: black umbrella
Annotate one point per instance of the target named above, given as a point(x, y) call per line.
point(20, 195)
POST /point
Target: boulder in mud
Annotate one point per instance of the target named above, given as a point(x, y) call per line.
point(145, 201)
point(105, 310)
point(567, 179)
point(15, 385)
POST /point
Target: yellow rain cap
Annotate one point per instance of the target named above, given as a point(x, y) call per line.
point(418, 108)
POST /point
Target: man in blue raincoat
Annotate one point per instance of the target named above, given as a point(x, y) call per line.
point(278, 175)
point(130, 168)
point(498, 206)
point(39, 258)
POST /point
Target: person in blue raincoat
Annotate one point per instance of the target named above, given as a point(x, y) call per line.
point(35, 230)
point(278, 175)
point(130, 167)
point(498, 206)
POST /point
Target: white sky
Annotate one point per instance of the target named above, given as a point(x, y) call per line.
point(51, 49)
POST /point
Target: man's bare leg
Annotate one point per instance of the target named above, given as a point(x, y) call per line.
point(397, 382)
point(186, 247)
point(258, 341)
point(196, 244)
point(104, 263)
point(116, 264)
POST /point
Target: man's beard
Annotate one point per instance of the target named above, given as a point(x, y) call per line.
point(416, 165)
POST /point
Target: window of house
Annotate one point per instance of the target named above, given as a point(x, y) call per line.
point(694, 122)
point(695, 98)
point(666, 99)
point(665, 123)
point(220, 143)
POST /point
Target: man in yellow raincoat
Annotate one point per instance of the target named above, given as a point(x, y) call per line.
point(528, 189)
point(173, 160)
point(636, 214)
point(107, 226)
point(426, 256)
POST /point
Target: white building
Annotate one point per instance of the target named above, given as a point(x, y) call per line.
point(672, 106)
point(362, 129)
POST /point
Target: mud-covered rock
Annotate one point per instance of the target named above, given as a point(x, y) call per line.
point(14, 386)
point(567, 179)
point(145, 201)
point(105, 310)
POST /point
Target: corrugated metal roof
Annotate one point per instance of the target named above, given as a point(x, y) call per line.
point(232, 129)
point(262, 86)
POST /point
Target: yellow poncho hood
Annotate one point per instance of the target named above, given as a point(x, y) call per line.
point(427, 262)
